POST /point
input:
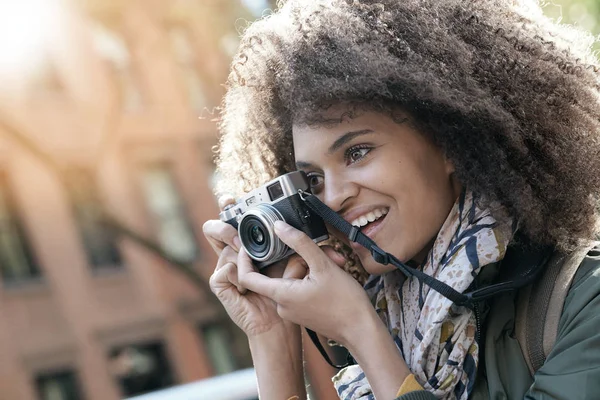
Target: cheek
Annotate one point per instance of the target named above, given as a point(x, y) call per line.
point(423, 196)
point(430, 182)
point(385, 175)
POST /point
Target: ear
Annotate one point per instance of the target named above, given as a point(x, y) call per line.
point(449, 166)
point(451, 171)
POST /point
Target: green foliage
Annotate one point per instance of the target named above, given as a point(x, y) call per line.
point(582, 13)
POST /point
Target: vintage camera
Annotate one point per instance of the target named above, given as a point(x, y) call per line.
point(254, 215)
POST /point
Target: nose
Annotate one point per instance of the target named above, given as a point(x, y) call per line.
point(338, 191)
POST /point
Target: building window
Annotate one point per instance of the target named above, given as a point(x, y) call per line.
point(140, 368)
point(113, 49)
point(17, 262)
point(61, 385)
point(227, 347)
point(98, 239)
point(183, 51)
point(174, 232)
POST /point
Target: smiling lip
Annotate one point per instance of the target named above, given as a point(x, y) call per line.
point(370, 230)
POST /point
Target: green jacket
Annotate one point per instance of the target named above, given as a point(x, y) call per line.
point(572, 369)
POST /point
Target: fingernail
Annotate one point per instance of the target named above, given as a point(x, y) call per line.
point(280, 226)
point(237, 242)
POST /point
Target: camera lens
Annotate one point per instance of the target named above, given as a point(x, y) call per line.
point(252, 234)
point(258, 236)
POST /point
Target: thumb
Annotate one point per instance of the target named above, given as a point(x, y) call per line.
point(296, 268)
point(275, 288)
point(301, 244)
point(334, 256)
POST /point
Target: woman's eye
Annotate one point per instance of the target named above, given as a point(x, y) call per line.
point(315, 181)
point(356, 154)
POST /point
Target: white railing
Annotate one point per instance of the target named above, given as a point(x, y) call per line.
point(238, 385)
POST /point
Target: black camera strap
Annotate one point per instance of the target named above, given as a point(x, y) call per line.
point(315, 339)
point(382, 257)
point(469, 299)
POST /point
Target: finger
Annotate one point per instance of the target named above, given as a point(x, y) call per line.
point(232, 276)
point(334, 256)
point(225, 200)
point(225, 277)
point(274, 270)
point(276, 289)
point(227, 255)
point(220, 234)
point(296, 268)
point(219, 281)
point(302, 244)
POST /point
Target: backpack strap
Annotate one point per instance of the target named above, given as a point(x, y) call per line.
point(540, 306)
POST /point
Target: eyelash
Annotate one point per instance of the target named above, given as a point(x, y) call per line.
point(349, 151)
point(314, 187)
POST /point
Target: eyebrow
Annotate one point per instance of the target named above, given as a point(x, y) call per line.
point(345, 138)
point(339, 142)
point(304, 165)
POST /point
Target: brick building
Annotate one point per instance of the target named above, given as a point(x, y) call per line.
point(114, 97)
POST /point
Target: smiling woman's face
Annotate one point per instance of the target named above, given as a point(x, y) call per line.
point(371, 168)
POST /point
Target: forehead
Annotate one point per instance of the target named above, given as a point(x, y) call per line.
point(349, 114)
point(333, 123)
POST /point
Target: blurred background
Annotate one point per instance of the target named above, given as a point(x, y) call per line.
point(107, 112)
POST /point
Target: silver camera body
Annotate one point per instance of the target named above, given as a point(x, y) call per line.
point(278, 200)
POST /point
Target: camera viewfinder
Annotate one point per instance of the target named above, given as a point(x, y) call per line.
point(275, 191)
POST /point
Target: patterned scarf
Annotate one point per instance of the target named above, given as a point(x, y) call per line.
point(436, 338)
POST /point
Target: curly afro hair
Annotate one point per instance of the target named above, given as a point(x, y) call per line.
point(511, 97)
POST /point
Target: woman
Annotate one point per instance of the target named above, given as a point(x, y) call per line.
point(445, 130)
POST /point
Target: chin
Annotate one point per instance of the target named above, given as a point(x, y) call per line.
point(374, 268)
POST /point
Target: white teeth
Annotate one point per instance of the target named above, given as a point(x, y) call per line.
point(369, 217)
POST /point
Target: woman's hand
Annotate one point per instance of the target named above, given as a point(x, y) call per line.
point(252, 312)
point(329, 301)
point(326, 299)
point(276, 345)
